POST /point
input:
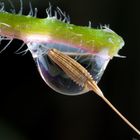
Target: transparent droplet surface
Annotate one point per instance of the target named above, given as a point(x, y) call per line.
point(55, 77)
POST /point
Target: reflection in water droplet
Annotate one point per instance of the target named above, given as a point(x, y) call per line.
point(54, 76)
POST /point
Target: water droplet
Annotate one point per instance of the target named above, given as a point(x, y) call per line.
point(54, 76)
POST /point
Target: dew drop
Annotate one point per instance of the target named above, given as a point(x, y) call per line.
point(55, 77)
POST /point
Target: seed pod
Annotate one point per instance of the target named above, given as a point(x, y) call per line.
point(83, 78)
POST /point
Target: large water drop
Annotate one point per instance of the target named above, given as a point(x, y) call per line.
point(55, 77)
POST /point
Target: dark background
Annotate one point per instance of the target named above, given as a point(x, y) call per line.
point(30, 110)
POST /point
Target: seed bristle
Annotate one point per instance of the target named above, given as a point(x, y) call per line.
point(83, 78)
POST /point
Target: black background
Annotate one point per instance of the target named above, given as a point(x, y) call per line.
point(30, 110)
